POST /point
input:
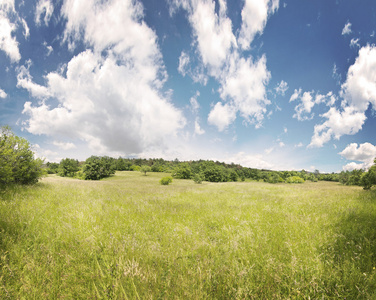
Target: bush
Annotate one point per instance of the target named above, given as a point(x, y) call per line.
point(183, 172)
point(96, 168)
point(166, 180)
point(144, 169)
point(197, 178)
point(17, 162)
point(68, 167)
point(294, 179)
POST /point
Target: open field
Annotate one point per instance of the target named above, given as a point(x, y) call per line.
point(128, 237)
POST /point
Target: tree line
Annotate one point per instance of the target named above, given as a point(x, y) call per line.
point(201, 170)
point(18, 165)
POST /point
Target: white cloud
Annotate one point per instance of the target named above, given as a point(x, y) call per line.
point(194, 103)
point(354, 43)
point(25, 80)
point(183, 63)
point(242, 80)
point(303, 109)
point(336, 76)
point(111, 94)
point(26, 29)
point(300, 145)
point(2, 94)
point(254, 17)
point(365, 153)
point(244, 87)
point(248, 160)
point(222, 116)
point(353, 166)
point(362, 152)
point(8, 43)
point(198, 129)
point(213, 33)
point(43, 7)
point(359, 90)
point(347, 121)
point(64, 146)
point(281, 88)
point(346, 29)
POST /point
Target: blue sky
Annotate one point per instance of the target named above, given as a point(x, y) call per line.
point(265, 83)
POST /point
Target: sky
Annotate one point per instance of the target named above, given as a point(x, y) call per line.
point(268, 84)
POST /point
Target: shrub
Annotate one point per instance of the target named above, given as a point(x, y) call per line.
point(144, 169)
point(197, 178)
point(166, 180)
point(68, 167)
point(183, 172)
point(17, 162)
point(96, 168)
point(294, 179)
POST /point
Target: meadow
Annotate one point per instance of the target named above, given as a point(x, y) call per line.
point(128, 237)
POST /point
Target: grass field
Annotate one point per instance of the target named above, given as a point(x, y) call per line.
point(128, 237)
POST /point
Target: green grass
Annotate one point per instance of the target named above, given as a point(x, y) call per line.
point(128, 237)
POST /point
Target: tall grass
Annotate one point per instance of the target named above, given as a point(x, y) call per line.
point(128, 237)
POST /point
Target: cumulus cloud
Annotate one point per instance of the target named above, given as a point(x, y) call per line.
point(194, 103)
point(110, 95)
point(347, 29)
point(305, 107)
point(339, 123)
point(63, 145)
point(364, 153)
point(8, 42)
point(254, 17)
point(282, 88)
point(198, 129)
point(43, 7)
point(25, 80)
point(183, 63)
point(357, 92)
point(243, 86)
point(248, 160)
point(2, 94)
point(242, 79)
point(222, 115)
point(354, 43)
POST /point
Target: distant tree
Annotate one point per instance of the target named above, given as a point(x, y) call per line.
point(52, 168)
point(166, 180)
point(368, 179)
point(294, 179)
point(68, 167)
point(197, 178)
point(183, 171)
point(96, 168)
point(144, 169)
point(17, 162)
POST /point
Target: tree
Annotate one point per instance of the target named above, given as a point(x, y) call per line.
point(183, 171)
point(144, 169)
point(369, 178)
point(68, 167)
point(17, 162)
point(165, 180)
point(96, 168)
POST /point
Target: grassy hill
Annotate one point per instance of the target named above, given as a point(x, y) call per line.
point(128, 237)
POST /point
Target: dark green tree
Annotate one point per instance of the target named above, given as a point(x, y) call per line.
point(17, 162)
point(68, 167)
point(96, 168)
